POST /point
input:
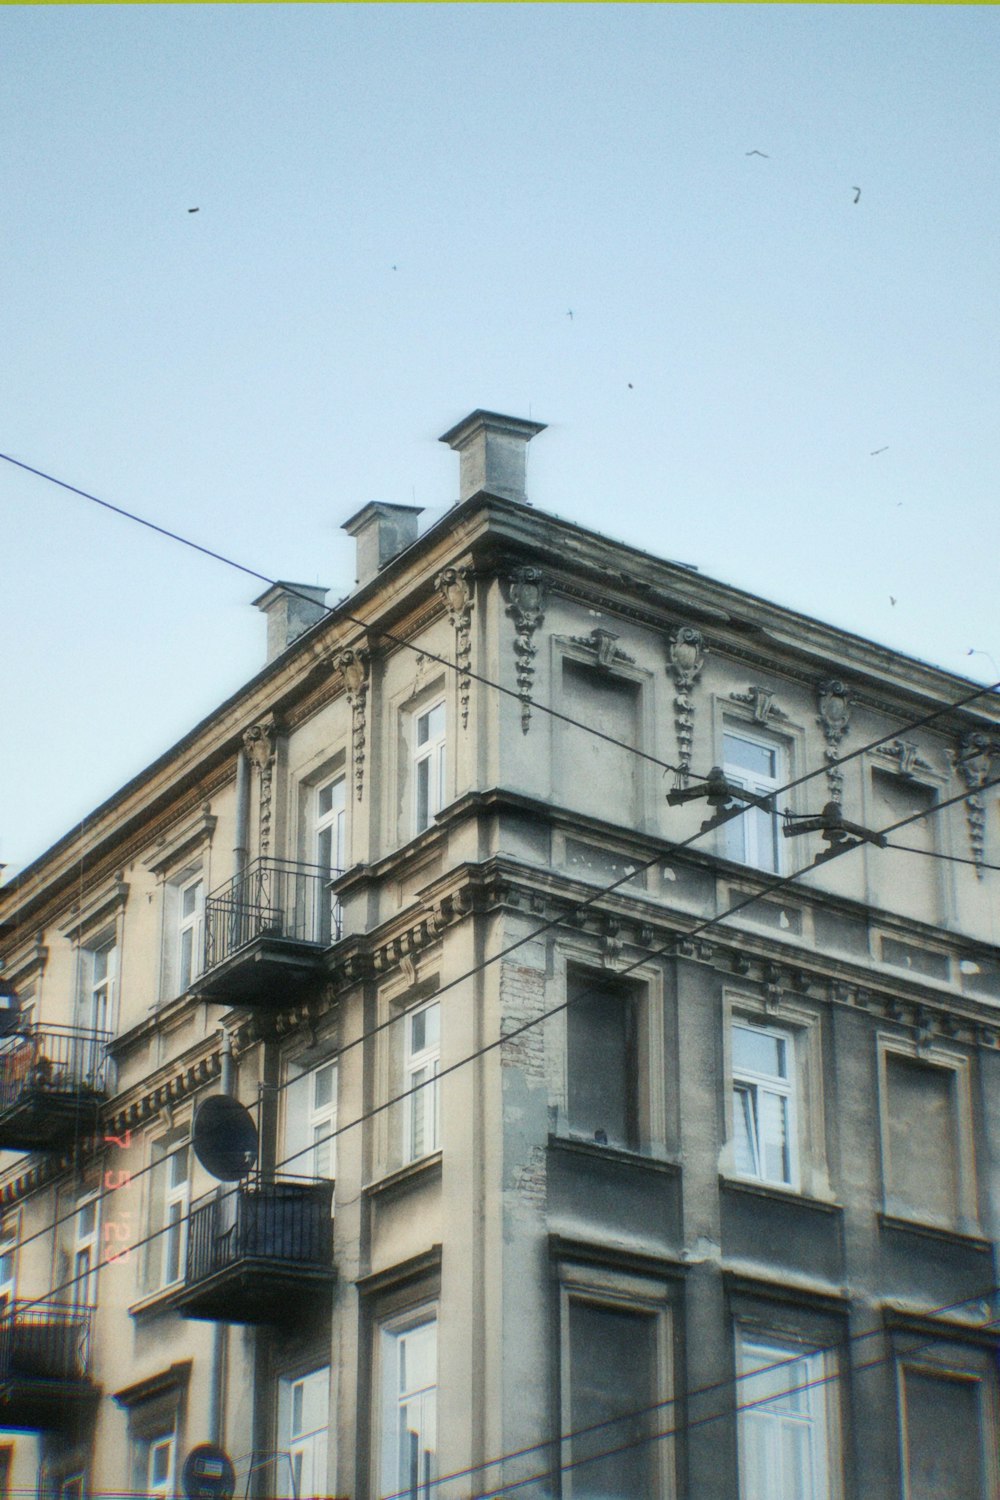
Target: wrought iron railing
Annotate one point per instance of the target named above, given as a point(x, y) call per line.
point(43, 1341)
point(284, 1224)
point(53, 1061)
point(271, 898)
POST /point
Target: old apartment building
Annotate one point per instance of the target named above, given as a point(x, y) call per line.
point(599, 1153)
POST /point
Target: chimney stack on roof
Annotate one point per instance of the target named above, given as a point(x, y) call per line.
point(381, 532)
point(493, 451)
point(290, 608)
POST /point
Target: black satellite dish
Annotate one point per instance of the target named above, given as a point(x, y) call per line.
point(224, 1137)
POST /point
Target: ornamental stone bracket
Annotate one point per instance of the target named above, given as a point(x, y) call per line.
point(261, 744)
point(354, 665)
point(977, 761)
point(686, 654)
point(457, 588)
point(906, 756)
point(526, 590)
point(761, 702)
point(834, 718)
point(602, 644)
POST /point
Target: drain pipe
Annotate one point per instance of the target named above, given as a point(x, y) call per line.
point(220, 1341)
point(241, 849)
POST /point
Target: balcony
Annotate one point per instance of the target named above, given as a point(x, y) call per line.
point(52, 1081)
point(265, 931)
point(45, 1382)
point(259, 1253)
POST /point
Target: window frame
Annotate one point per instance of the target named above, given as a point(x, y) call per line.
point(97, 996)
point(85, 1288)
point(164, 1196)
point(431, 754)
point(633, 1292)
point(745, 1079)
point(970, 1367)
point(302, 1076)
point(389, 1334)
point(427, 1100)
point(315, 1442)
point(333, 822)
point(965, 1215)
point(189, 964)
point(746, 827)
point(822, 1369)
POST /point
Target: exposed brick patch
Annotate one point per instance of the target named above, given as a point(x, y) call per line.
point(522, 999)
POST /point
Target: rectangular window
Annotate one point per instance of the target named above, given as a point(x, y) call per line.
point(190, 931)
point(159, 1455)
point(409, 1410)
point(303, 1427)
point(612, 1413)
point(764, 1125)
point(98, 976)
point(329, 852)
point(922, 1138)
point(422, 1107)
point(8, 1271)
point(945, 1441)
point(602, 1064)
point(86, 1253)
point(758, 765)
point(168, 1199)
point(429, 762)
point(310, 1149)
point(782, 1399)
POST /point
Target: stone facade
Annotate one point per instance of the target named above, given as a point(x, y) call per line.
point(666, 1160)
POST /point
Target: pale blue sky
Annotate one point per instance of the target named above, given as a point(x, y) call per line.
point(399, 206)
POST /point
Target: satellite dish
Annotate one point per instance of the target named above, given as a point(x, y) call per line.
point(224, 1137)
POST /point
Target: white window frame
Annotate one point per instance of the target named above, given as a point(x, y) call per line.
point(162, 1489)
point(98, 984)
point(168, 1216)
point(398, 1398)
point(770, 1372)
point(741, 835)
point(190, 930)
point(310, 1125)
point(329, 849)
point(86, 1251)
point(422, 1109)
point(430, 765)
point(8, 1270)
point(307, 1448)
point(747, 1083)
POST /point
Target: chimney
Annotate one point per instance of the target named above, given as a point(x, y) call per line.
point(382, 532)
point(493, 451)
point(290, 608)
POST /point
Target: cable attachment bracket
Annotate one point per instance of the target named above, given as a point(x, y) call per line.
point(835, 828)
point(722, 795)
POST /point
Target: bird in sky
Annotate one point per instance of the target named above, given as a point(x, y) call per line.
point(857, 194)
point(569, 313)
point(194, 210)
point(759, 153)
point(876, 451)
point(631, 386)
point(891, 599)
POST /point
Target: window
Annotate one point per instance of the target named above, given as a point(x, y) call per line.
point(329, 852)
point(310, 1149)
point(409, 1409)
point(758, 765)
point(928, 1165)
point(98, 976)
point(190, 931)
point(303, 1424)
point(764, 1126)
point(86, 1253)
point(158, 1454)
point(945, 1435)
point(783, 1397)
point(915, 889)
point(423, 1050)
point(601, 776)
point(602, 1064)
point(429, 748)
point(8, 1271)
point(169, 1196)
point(73, 1487)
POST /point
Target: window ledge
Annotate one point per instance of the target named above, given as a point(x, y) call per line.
point(970, 1238)
point(403, 1177)
point(161, 1301)
point(779, 1193)
point(585, 1147)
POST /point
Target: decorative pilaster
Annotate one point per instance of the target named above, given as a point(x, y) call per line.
point(977, 761)
point(687, 657)
point(834, 718)
point(456, 586)
point(353, 664)
point(260, 742)
point(526, 607)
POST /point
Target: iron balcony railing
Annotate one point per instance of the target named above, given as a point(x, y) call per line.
point(282, 1224)
point(275, 898)
point(44, 1342)
point(50, 1062)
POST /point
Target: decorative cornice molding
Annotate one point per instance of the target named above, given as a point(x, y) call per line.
point(182, 839)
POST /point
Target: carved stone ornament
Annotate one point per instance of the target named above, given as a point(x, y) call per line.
point(260, 743)
point(686, 652)
point(906, 756)
point(457, 589)
point(353, 664)
point(526, 590)
point(977, 761)
point(761, 700)
point(834, 718)
point(602, 643)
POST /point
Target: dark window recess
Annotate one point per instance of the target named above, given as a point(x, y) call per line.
point(602, 1059)
point(944, 1438)
point(613, 1391)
